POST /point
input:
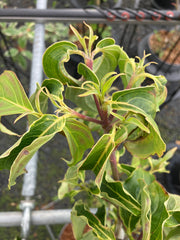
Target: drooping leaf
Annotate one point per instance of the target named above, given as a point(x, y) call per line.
point(55, 88)
point(129, 220)
point(68, 190)
point(132, 184)
point(116, 194)
point(152, 197)
point(161, 164)
point(40, 132)
point(55, 56)
point(89, 236)
point(102, 232)
point(79, 139)
point(71, 182)
point(98, 156)
point(161, 90)
point(13, 99)
point(159, 84)
point(101, 214)
point(4, 129)
point(173, 203)
point(152, 143)
point(173, 208)
point(158, 197)
point(78, 225)
point(141, 97)
point(51, 89)
point(145, 210)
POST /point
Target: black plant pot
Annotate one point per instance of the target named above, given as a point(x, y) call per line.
point(170, 71)
point(163, 4)
point(172, 180)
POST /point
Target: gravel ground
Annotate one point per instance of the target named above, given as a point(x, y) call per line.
point(50, 155)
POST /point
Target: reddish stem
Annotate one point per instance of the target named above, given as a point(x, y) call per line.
point(98, 106)
point(113, 162)
point(87, 118)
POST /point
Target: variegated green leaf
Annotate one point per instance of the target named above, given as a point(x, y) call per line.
point(55, 88)
point(145, 210)
point(174, 234)
point(105, 42)
point(162, 163)
point(55, 56)
point(107, 62)
point(102, 232)
point(13, 99)
point(116, 194)
point(98, 156)
point(173, 208)
point(159, 213)
point(87, 73)
point(6, 130)
point(141, 97)
point(152, 143)
point(135, 121)
point(40, 132)
point(82, 40)
point(108, 83)
point(79, 139)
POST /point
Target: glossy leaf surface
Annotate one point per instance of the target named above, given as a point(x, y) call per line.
point(79, 139)
point(40, 132)
point(55, 56)
point(115, 193)
point(107, 62)
point(101, 231)
point(98, 156)
point(13, 99)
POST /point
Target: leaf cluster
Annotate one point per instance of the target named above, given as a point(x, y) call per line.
point(128, 197)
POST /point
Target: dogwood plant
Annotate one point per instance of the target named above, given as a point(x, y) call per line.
point(131, 203)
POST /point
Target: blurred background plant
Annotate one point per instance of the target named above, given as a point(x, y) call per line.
point(19, 36)
point(16, 38)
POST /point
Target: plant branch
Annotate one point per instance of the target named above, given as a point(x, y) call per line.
point(84, 117)
point(113, 162)
point(98, 106)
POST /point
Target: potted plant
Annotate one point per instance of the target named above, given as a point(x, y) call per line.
point(164, 4)
point(130, 203)
point(163, 48)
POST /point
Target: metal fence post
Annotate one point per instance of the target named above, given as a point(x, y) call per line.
point(29, 184)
